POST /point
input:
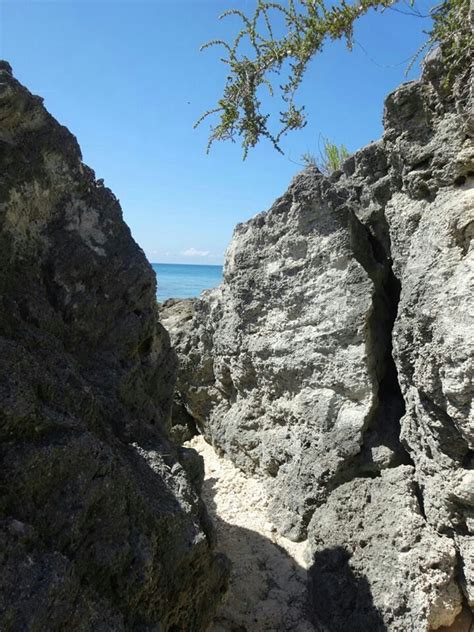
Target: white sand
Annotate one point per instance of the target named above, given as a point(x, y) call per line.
point(267, 588)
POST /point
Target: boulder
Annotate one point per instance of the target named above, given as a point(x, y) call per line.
point(377, 563)
point(100, 525)
point(335, 362)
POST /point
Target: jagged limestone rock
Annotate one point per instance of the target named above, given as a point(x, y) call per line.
point(377, 563)
point(298, 351)
point(434, 350)
point(100, 527)
point(335, 361)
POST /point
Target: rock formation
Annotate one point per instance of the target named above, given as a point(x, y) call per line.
point(335, 362)
point(100, 525)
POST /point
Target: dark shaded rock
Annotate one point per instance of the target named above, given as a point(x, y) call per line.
point(377, 563)
point(101, 528)
point(177, 315)
point(336, 593)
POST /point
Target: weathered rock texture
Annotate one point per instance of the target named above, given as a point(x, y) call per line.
point(100, 527)
point(335, 361)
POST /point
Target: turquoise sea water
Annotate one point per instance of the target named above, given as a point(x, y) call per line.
point(185, 281)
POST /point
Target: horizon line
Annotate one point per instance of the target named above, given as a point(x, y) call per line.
point(209, 265)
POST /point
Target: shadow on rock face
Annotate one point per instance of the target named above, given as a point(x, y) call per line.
point(271, 588)
point(338, 599)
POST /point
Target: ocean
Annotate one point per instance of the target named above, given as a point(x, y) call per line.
point(183, 280)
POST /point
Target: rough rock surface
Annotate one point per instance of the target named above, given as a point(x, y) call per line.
point(376, 557)
point(274, 389)
point(335, 362)
point(177, 314)
point(100, 527)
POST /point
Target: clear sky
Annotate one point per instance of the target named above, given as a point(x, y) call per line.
point(127, 78)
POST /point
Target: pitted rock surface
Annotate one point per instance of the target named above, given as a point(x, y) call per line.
point(375, 555)
point(335, 362)
point(101, 528)
point(279, 390)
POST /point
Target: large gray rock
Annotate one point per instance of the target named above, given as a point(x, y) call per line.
point(335, 361)
point(377, 563)
point(100, 527)
point(434, 351)
point(298, 349)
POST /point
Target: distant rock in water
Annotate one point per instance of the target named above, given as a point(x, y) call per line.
point(335, 362)
point(101, 527)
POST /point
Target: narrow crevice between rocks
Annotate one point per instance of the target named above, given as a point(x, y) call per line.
point(381, 444)
point(381, 447)
point(269, 573)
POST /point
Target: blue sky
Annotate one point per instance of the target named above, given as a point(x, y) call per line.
point(128, 79)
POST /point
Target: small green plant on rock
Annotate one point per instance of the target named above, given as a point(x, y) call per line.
point(330, 157)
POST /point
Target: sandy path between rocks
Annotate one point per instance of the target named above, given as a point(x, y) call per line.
point(268, 580)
